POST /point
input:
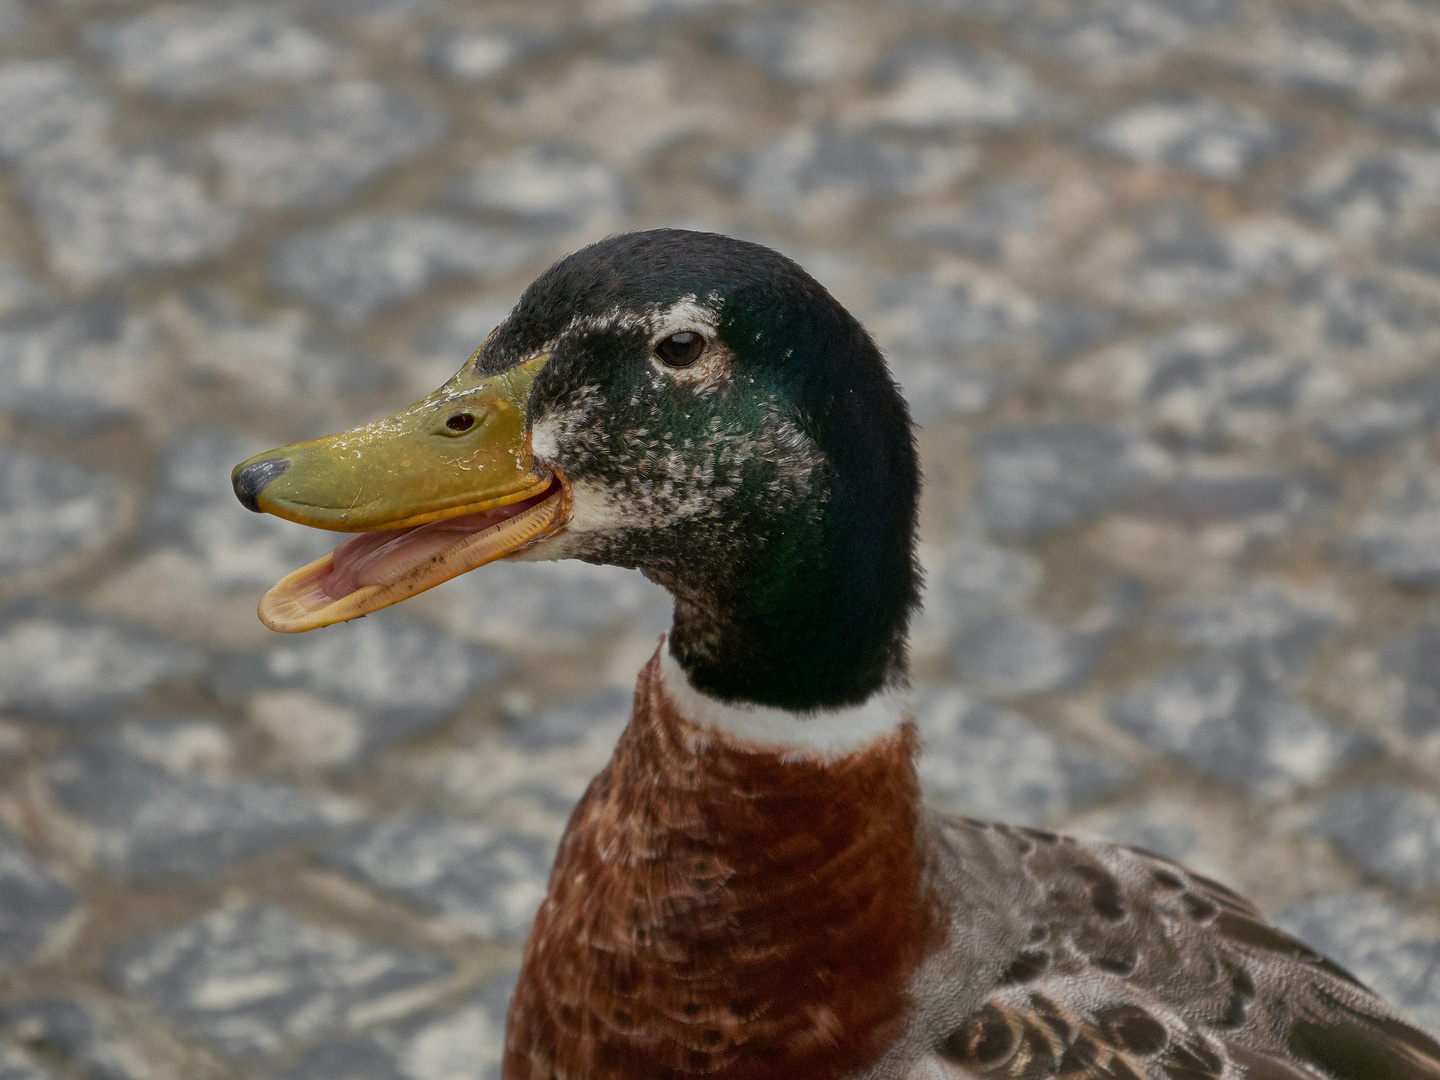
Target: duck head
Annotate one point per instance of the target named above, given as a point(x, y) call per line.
point(684, 403)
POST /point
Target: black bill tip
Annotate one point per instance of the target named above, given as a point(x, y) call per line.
point(251, 480)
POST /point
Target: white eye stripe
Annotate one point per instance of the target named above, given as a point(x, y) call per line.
point(686, 314)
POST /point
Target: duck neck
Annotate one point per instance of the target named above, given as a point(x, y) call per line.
point(815, 618)
point(723, 907)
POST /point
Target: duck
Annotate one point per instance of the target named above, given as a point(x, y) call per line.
point(753, 886)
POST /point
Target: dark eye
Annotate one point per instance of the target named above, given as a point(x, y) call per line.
point(681, 350)
point(461, 421)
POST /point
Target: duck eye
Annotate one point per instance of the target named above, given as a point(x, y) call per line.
point(681, 350)
point(461, 421)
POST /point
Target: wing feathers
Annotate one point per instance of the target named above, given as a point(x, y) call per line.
point(1349, 1044)
point(1128, 967)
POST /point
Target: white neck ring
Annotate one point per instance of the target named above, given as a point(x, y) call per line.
point(816, 733)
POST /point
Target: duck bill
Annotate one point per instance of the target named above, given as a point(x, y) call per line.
point(445, 486)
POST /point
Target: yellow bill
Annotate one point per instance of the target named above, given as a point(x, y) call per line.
point(445, 486)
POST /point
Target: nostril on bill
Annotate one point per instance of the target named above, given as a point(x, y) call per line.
point(251, 480)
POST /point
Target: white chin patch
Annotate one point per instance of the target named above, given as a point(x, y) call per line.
point(821, 733)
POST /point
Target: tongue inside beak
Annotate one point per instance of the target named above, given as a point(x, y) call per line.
point(444, 487)
point(377, 569)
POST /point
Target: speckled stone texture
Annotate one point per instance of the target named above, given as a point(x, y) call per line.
point(1159, 277)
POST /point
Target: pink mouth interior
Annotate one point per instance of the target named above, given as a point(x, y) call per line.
point(380, 558)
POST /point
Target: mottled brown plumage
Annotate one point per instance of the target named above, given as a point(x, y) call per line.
point(726, 910)
point(716, 911)
point(1125, 965)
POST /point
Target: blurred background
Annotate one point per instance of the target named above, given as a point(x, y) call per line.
point(1160, 277)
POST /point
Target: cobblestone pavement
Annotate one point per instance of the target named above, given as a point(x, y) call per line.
point(1161, 278)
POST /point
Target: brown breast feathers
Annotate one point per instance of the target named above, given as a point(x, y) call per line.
point(719, 911)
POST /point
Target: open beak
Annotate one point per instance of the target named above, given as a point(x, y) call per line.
point(441, 488)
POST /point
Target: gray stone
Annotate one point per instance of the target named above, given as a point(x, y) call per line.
point(320, 149)
point(657, 9)
point(402, 675)
point(32, 903)
point(464, 1043)
point(1421, 253)
point(591, 98)
point(545, 802)
point(974, 582)
point(1184, 259)
point(82, 363)
point(530, 771)
point(253, 980)
point(590, 718)
point(50, 509)
point(199, 51)
point(467, 55)
point(70, 1032)
point(158, 820)
point(973, 9)
point(13, 22)
point(798, 46)
point(1068, 329)
point(927, 85)
point(46, 104)
point(1420, 122)
point(922, 317)
point(17, 1066)
point(556, 605)
point(485, 880)
point(1207, 385)
point(824, 171)
point(374, 11)
point(1347, 313)
point(1326, 51)
point(935, 388)
point(1111, 37)
point(1265, 625)
point(361, 267)
point(1196, 134)
point(1171, 837)
point(108, 213)
point(1393, 832)
point(547, 186)
point(1400, 538)
point(1374, 423)
point(348, 1059)
point(1374, 940)
point(283, 357)
point(56, 663)
point(197, 512)
point(998, 644)
point(1373, 194)
point(447, 341)
point(1017, 654)
point(1037, 478)
point(17, 290)
point(1251, 505)
point(990, 762)
point(1234, 726)
point(1413, 662)
point(980, 579)
point(998, 214)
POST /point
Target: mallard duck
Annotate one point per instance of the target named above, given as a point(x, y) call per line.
point(752, 887)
